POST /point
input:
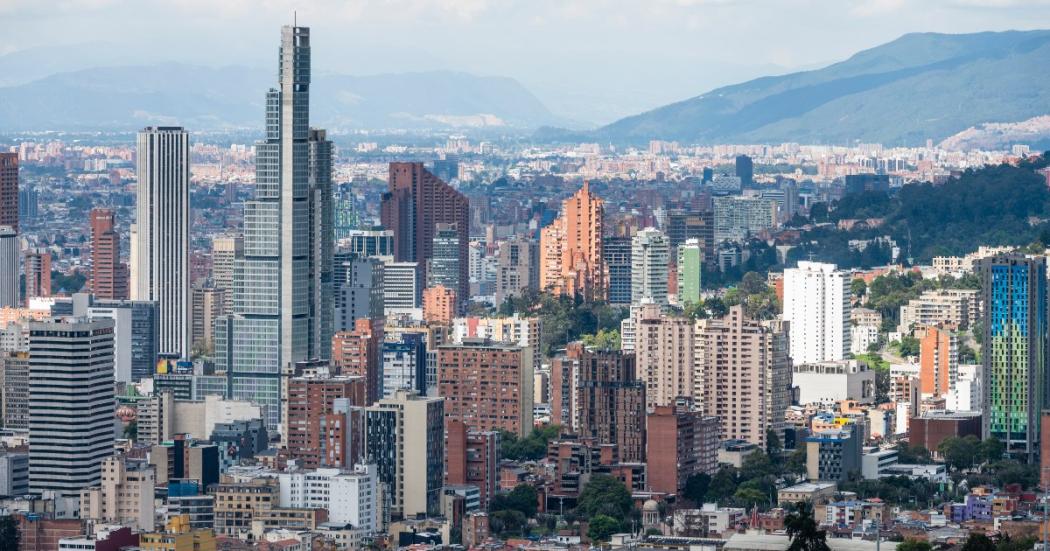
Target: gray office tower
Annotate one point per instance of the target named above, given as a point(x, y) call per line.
point(71, 400)
point(282, 291)
point(616, 253)
point(358, 290)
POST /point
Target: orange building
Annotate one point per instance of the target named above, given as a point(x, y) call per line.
point(571, 248)
point(472, 457)
point(359, 353)
point(938, 359)
point(487, 385)
point(439, 304)
point(109, 277)
point(317, 432)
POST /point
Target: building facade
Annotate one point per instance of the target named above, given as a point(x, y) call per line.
point(571, 260)
point(817, 303)
point(743, 375)
point(487, 385)
point(282, 299)
point(649, 269)
point(109, 276)
point(415, 203)
point(71, 393)
point(1014, 350)
point(160, 250)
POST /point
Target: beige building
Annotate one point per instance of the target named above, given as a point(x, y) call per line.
point(957, 308)
point(743, 375)
point(664, 350)
point(160, 417)
point(178, 535)
point(406, 442)
point(865, 316)
point(125, 495)
point(813, 492)
point(238, 504)
point(206, 305)
point(225, 249)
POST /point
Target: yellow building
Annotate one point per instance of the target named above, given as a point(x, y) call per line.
point(178, 537)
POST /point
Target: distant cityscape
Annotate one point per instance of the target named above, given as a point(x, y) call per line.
point(348, 340)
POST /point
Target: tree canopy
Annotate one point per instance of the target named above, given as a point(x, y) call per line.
point(604, 495)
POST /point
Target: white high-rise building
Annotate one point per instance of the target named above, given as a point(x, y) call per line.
point(9, 255)
point(649, 256)
point(401, 287)
point(71, 401)
point(349, 497)
point(160, 263)
point(817, 303)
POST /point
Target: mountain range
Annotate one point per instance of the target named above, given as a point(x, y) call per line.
point(923, 86)
point(918, 87)
point(204, 98)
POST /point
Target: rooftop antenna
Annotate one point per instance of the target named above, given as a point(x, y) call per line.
point(295, 18)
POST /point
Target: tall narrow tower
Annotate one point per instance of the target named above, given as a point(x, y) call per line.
point(161, 248)
point(283, 284)
point(1014, 351)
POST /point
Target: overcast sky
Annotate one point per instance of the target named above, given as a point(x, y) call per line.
point(592, 59)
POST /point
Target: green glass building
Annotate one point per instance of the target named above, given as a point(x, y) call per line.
point(690, 263)
point(1014, 351)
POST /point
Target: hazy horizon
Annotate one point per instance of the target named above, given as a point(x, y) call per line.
point(592, 61)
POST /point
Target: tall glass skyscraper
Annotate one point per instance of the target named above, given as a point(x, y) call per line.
point(1013, 350)
point(283, 285)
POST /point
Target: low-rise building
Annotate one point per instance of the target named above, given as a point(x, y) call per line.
point(831, 382)
point(806, 491)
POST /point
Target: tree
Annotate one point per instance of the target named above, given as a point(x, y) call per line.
point(796, 462)
point(603, 340)
point(756, 465)
point(858, 287)
point(978, 542)
point(908, 346)
point(802, 528)
point(752, 284)
point(773, 445)
point(913, 454)
point(601, 527)
point(749, 497)
point(961, 453)
point(131, 431)
point(8, 533)
point(723, 484)
point(992, 449)
point(604, 495)
point(530, 448)
point(522, 499)
point(507, 522)
point(696, 487)
point(914, 545)
point(1009, 544)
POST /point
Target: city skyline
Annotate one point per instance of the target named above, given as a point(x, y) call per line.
point(644, 336)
